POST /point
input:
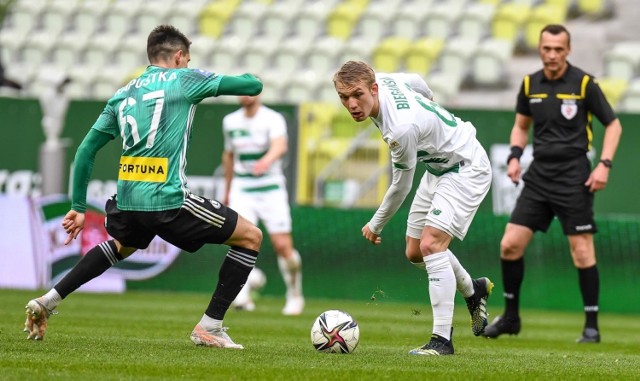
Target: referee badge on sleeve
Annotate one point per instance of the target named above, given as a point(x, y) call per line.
point(569, 108)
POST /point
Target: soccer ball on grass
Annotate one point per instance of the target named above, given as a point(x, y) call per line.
point(335, 331)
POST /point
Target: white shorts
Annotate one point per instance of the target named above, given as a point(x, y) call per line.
point(270, 207)
point(449, 202)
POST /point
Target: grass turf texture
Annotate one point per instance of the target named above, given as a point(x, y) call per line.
point(145, 336)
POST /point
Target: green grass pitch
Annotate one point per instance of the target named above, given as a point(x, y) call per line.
point(145, 336)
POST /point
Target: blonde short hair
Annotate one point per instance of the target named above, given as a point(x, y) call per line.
point(353, 72)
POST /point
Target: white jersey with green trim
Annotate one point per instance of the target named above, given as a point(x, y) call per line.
point(418, 129)
point(249, 138)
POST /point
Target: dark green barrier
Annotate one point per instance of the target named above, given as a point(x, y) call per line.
point(339, 263)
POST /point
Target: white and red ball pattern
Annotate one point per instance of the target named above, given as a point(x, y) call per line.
point(335, 331)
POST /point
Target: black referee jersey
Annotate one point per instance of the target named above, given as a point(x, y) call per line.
point(562, 112)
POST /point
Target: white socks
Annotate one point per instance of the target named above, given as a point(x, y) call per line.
point(210, 324)
point(290, 270)
point(463, 279)
point(52, 299)
point(442, 291)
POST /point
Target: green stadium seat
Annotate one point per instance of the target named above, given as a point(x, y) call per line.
point(389, 55)
point(623, 60)
point(423, 54)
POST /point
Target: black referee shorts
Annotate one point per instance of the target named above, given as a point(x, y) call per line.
point(199, 221)
point(536, 208)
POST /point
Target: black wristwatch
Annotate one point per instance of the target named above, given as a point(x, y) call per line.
point(606, 163)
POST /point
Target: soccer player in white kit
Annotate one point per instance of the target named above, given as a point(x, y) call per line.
point(456, 180)
point(255, 140)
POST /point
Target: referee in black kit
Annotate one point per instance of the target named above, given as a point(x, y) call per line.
point(559, 101)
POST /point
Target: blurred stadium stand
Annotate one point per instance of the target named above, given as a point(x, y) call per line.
point(474, 52)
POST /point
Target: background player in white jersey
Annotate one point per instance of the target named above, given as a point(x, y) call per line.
point(153, 114)
point(456, 180)
point(255, 141)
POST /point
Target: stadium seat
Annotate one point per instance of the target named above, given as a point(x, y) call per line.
point(120, 16)
point(69, 48)
point(273, 86)
point(224, 57)
point(88, 16)
point(109, 79)
point(489, 65)
point(358, 48)
point(257, 54)
point(99, 51)
point(595, 8)
point(289, 54)
point(300, 87)
point(623, 60)
point(613, 88)
point(321, 56)
point(214, 17)
point(310, 22)
point(11, 42)
point(508, 21)
point(131, 51)
point(423, 54)
point(456, 56)
point(277, 21)
point(445, 86)
point(375, 19)
point(246, 19)
point(37, 47)
point(442, 19)
point(408, 21)
point(152, 14)
point(184, 13)
point(25, 15)
point(325, 91)
point(343, 18)
point(57, 15)
point(81, 78)
point(201, 51)
point(630, 101)
point(475, 20)
point(390, 54)
point(541, 15)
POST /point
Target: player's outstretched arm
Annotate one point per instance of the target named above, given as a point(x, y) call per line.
point(245, 84)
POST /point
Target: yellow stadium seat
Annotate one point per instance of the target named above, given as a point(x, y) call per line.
point(541, 16)
point(613, 88)
point(422, 54)
point(389, 55)
point(595, 8)
point(343, 19)
point(508, 21)
point(213, 19)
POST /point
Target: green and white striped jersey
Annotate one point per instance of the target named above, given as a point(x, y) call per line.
point(153, 114)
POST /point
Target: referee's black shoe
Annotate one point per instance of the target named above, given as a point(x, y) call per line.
point(589, 335)
point(502, 324)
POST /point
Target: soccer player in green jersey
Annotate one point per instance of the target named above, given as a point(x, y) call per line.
point(153, 114)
